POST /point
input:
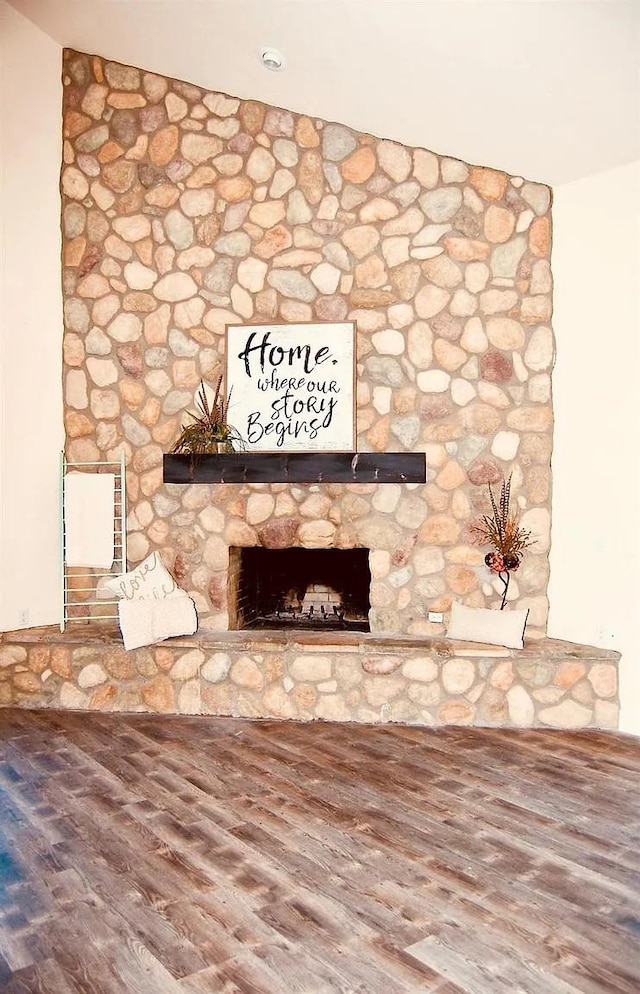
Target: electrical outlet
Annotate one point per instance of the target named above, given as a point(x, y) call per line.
point(24, 617)
point(435, 616)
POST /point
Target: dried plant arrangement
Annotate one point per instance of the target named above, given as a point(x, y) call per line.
point(503, 532)
point(210, 432)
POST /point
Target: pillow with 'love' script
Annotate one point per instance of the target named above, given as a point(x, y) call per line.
point(151, 580)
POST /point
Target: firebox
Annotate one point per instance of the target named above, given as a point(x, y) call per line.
point(299, 588)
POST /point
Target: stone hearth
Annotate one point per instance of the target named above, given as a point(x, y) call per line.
point(343, 676)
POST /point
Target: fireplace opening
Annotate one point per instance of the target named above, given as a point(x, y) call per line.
point(299, 588)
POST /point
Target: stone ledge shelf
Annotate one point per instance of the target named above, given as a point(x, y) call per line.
point(299, 675)
point(297, 467)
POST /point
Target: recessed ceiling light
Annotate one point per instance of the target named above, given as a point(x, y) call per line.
point(272, 59)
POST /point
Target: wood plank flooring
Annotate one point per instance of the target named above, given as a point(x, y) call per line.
point(165, 855)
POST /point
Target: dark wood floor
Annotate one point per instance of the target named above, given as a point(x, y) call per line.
point(166, 855)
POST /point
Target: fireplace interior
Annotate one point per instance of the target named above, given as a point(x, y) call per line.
point(299, 588)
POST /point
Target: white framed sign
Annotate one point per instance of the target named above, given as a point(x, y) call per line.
point(291, 387)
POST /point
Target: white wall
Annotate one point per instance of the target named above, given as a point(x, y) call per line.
point(31, 432)
point(595, 554)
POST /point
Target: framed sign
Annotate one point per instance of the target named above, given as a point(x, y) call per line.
point(291, 386)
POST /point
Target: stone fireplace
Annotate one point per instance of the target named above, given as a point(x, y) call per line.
point(318, 589)
point(184, 211)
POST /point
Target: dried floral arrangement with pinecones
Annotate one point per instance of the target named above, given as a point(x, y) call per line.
point(210, 431)
point(503, 532)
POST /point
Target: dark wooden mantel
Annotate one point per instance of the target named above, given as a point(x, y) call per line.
point(297, 467)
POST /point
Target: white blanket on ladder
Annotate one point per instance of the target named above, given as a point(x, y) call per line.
point(89, 519)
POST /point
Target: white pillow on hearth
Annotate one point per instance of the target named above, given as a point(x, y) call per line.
point(151, 580)
point(479, 624)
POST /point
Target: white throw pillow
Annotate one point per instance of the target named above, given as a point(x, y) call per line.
point(479, 624)
point(151, 580)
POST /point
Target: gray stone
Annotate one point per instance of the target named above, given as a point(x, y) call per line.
point(93, 139)
point(332, 176)
point(157, 357)
point(405, 193)
point(216, 667)
point(384, 369)
point(337, 142)
point(179, 229)
point(74, 220)
point(406, 430)
point(298, 210)
point(505, 258)
point(236, 244)
point(122, 77)
point(177, 400)
point(180, 344)
point(537, 196)
point(97, 343)
point(134, 432)
point(286, 152)
point(441, 204)
point(76, 315)
point(292, 284)
point(219, 276)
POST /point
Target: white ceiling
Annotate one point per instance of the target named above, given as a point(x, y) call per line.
point(548, 89)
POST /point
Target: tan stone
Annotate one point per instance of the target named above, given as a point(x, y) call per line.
point(239, 533)
point(380, 689)
point(74, 251)
point(449, 356)
point(164, 145)
point(502, 676)
point(359, 166)
point(456, 713)
point(371, 272)
point(498, 224)
point(442, 271)
point(110, 151)
point(604, 679)
point(311, 668)
point(316, 534)
point(132, 228)
point(158, 694)
point(452, 475)
point(422, 669)
point(491, 185)
point(569, 672)
point(26, 682)
point(540, 236)
point(378, 209)
point(567, 714)
point(304, 696)
point(537, 418)
point(60, 661)
point(467, 249)
point(505, 333)
point(332, 707)
point(93, 285)
point(425, 168)
point(235, 189)
point(461, 579)
point(440, 529)
point(245, 672)
point(275, 240)
point(278, 703)
point(260, 165)
point(361, 240)
point(458, 675)
point(430, 300)
point(306, 134)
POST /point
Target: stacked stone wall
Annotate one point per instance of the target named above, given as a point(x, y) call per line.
point(185, 210)
point(354, 678)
